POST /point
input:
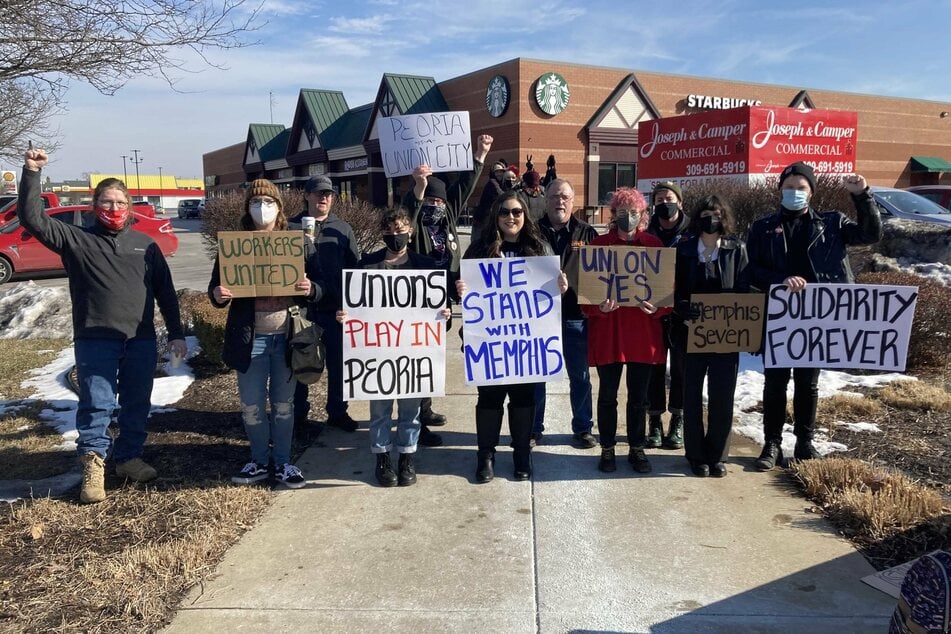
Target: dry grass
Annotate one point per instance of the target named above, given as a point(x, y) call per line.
point(916, 395)
point(18, 357)
point(846, 407)
point(118, 566)
point(29, 447)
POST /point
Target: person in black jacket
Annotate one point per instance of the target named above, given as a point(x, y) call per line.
point(711, 260)
point(797, 246)
point(116, 275)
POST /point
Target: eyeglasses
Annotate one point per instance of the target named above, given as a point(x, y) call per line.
point(323, 194)
point(565, 197)
point(113, 204)
point(515, 213)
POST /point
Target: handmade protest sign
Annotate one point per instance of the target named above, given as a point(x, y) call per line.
point(629, 275)
point(261, 263)
point(728, 322)
point(441, 140)
point(511, 316)
point(394, 339)
point(839, 326)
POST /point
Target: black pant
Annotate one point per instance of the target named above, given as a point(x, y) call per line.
point(638, 379)
point(805, 398)
point(521, 414)
point(333, 370)
point(658, 384)
point(720, 372)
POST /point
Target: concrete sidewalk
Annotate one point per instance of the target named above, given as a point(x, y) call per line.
point(573, 550)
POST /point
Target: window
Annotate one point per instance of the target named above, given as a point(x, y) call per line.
point(612, 176)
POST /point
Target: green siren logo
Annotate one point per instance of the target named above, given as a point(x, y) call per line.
point(497, 96)
point(551, 93)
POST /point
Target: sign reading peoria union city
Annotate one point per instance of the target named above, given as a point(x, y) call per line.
point(749, 144)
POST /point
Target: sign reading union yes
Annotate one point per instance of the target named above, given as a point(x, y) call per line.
point(261, 263)
point(628, 275)
point(394, 339)
point(511, 316)
point(441, 140)
point(839, 326)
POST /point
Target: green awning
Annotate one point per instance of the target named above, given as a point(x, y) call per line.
point(929, 164)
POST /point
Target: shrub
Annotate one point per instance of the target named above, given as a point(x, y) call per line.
point(208, 324)
point(930, 343)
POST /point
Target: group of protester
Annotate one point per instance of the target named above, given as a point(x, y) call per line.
point(116, 275)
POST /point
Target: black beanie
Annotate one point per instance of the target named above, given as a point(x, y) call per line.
point(800, 169)
point(435, 188)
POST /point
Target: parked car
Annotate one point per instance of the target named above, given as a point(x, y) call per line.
point(940, 194)
point(189, 208)
point(9, 211)
point(144, 207)
point(905, 205)
point(21, 252)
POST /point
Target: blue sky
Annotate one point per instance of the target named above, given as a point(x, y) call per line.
point(898, 49)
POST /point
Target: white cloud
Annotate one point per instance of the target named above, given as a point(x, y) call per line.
point(373, 24)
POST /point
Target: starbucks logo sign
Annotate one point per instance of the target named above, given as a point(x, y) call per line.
point(551, 93)
point(497, 96)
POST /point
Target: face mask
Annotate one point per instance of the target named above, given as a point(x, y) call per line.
point(396, 242)
point(627, 222)
point(711, 224)
point(433, 214)
point(112, 219)
point(508, 184)
point(795, 199)
point(263, 213)
point(666, 211)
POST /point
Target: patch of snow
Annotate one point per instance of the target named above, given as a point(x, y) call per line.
point(27, 310)
point(860, 427)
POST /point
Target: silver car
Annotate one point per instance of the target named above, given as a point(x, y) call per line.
point(905, 205)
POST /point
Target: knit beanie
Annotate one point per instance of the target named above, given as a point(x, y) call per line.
point(800, 169)
point(532, 178)
point(435, 188)
point(672, 186)
point(263, 187)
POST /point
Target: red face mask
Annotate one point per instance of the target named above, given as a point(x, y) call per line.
point(112, 219)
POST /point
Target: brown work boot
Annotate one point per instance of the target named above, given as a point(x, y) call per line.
point(94, 476)
point(136, 469)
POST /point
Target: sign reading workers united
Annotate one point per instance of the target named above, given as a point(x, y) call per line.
point(628, 275)
point(441, 140)
point(261, 263)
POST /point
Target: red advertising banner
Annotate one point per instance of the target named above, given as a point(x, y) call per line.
point(747, 144)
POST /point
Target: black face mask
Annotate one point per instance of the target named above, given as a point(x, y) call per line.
point(711, 224)
point(432, 214)
point(666, 211)
point(396, 242)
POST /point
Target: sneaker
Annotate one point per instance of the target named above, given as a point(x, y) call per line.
point(607, 463)
point(250, 473)
point(585, 440)
point(428, 438)
point(639, 460)
point(344, 422)
point(136, 469)
point(432, 419)
point(536, 439)
point(290, 476)
point(94, 476)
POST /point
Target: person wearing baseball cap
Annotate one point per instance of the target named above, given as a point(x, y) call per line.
point(796, 246)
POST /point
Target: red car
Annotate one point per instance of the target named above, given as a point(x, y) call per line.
point(20, 252)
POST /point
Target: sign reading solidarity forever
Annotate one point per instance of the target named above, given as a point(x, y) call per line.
point(839, 326)
point(629, 275)
point(441, 140)
point(394, 339)
point(511, 315)
point(728, 322)
point(261, 263)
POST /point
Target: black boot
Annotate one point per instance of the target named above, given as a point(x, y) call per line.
point(485, 469)
point(607, 463)
point(805, 449)
point(384, 471)
point(521, 420)
point(675, 434)
point(488, 428)
point(771, 456)
point(655, 434)
point(407, 470)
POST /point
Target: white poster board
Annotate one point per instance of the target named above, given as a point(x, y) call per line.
point(441, 140)
point(511, 316)
point(394, 338)
point(839, 326)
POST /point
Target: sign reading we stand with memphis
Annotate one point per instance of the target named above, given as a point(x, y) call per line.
point(748, 144)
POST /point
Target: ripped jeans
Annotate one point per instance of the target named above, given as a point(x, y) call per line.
point(268, 376)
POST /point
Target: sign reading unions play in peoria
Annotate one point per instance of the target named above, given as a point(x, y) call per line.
point(748, 144)
point(441, 140)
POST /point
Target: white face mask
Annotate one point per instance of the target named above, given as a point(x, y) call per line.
point(263, 213)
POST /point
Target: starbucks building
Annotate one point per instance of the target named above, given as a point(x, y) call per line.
point(587, 116)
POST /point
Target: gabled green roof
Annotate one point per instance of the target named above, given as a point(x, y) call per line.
point(263, 135)
point(349, 129)
point(325, 107)
point(415, 94)
point(276, 148)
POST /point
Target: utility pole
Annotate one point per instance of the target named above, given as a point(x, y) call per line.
point(161, 192)
point(135, 161)
point(125, 175)
point(270, 98)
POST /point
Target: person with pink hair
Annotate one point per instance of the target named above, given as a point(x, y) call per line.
point(625, 335)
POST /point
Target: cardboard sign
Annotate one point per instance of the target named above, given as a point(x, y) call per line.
point(261, 263)
point(441, 140)
point(839, 326)
point(629, 275)
point(394, 339)
point(511, 316)
point(728, 322)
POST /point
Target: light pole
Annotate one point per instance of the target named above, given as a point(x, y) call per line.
point(135, 161)
point(161, 204)
point(125, 175)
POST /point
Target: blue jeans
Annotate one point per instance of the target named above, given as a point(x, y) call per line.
point(333, 342)
point(407, 425)
point(574, 333)
point(268, 376)
point(107, 367)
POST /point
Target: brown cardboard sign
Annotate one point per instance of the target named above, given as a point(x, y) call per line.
point(629, 275)
point(728, 322)
point(261, 263)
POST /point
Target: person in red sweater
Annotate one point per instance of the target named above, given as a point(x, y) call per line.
point(625, 335)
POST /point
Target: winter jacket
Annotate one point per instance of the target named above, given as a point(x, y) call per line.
point(491, 191)
point(627, 334)
point(829, 234)
point(115, 278)
point(537, 206)
point(337, 250)
point(669, 237)
point(581, 233)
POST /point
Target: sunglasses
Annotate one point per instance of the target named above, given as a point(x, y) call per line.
point(515, 213)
